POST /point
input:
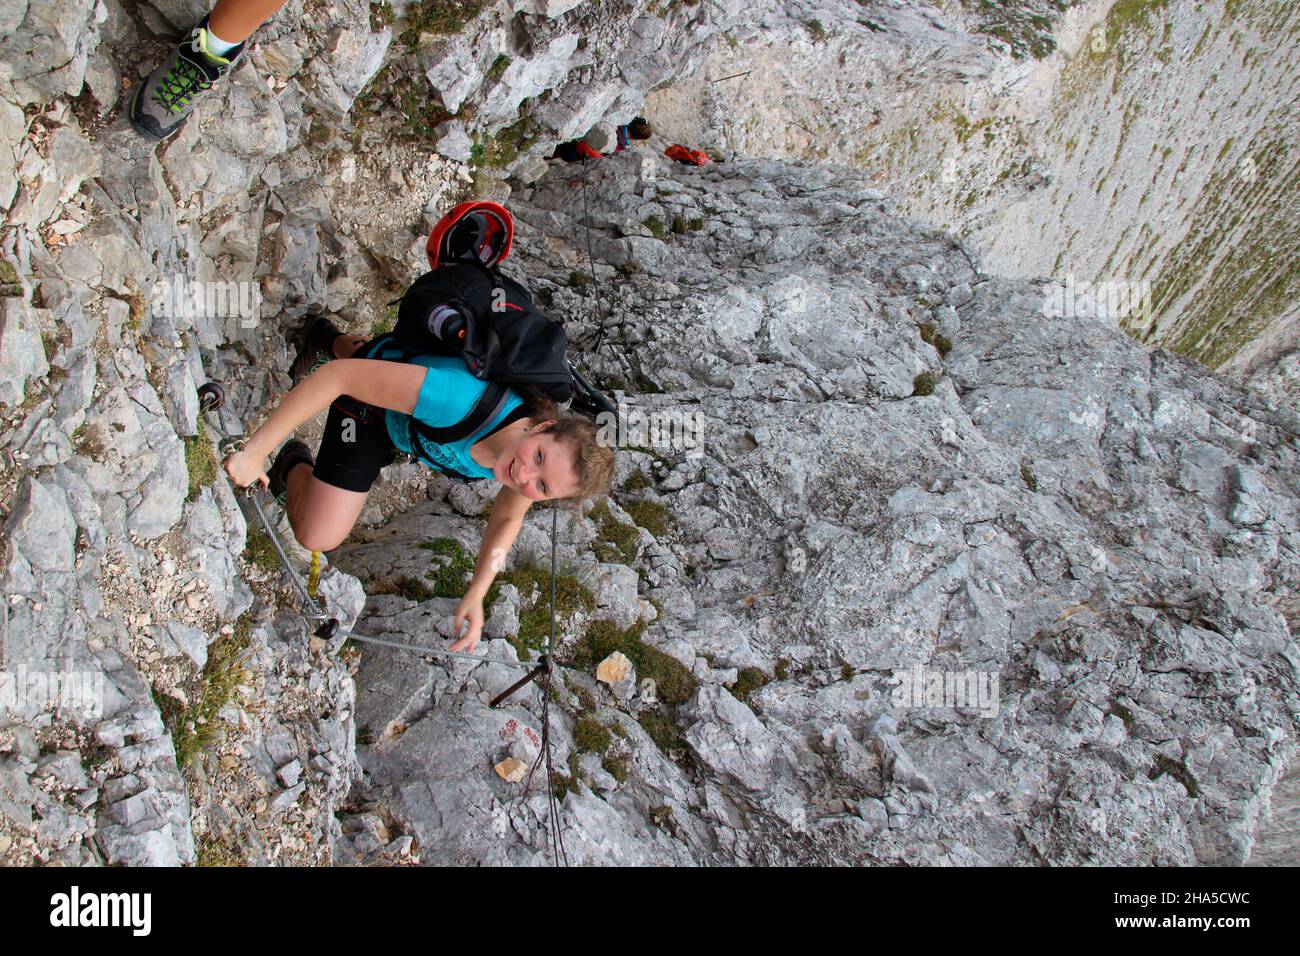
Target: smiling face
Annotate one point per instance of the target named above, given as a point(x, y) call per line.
point(537, 466)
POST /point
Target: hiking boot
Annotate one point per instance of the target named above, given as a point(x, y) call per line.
point(315, 347)
point(165, 100)
point(292, 454)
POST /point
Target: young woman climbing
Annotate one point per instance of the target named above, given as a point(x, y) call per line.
point(535, 453)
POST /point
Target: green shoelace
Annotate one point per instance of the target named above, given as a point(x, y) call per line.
point(181, 83)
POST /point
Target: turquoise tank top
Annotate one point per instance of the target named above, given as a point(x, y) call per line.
point(448, 393)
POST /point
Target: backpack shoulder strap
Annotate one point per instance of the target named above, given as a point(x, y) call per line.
point(485, 409)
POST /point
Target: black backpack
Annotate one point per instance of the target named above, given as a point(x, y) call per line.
point(450, 311)
point(465, 306)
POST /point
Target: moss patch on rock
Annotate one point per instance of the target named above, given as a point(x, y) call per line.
point(615, 540)
point(673, 681)
point(534, 585)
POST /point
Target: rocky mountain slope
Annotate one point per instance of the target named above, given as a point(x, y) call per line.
point(904, 463)
point(1104, 141)
point(1043, 500)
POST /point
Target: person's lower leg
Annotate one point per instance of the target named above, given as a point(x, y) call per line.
point(345, 346)
point(235, 20)
point(295, 495)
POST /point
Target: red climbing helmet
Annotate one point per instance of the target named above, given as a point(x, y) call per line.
point(478, 229)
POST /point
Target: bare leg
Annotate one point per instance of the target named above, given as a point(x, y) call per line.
point(235, 20)
point(322, 515)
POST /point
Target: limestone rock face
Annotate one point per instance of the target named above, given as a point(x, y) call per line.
point(998, 602)
point(614, 668)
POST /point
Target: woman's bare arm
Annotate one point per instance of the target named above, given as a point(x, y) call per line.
point(507, 518)
point(503, 526)
point(392, 385)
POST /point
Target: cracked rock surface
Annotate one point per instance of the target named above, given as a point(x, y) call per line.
point(1061, 508)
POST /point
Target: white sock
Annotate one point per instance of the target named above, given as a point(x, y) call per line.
point(218, 46)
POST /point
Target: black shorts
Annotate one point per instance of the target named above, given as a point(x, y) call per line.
point(355, 446)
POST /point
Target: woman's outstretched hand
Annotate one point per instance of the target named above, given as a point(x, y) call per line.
point(245, 468)
point(471, 610)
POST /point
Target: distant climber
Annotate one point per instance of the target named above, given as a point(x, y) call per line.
point(638, 129)
point(575, 151)
point(591, 146)
point(167, 98)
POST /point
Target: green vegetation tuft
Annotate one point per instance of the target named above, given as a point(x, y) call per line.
point(615, 540)
point(747, 682)
point(661, 815)
point(1122, 712)
point(932, 336)
point(260, 552)
point(504, 147)
point(200, 461)
point(1125, 16)
point(666, 736)
point(654, 516)
point(656, 226)
point(498, 67)
point(139, 311)
point(1023, 29)
point(213, 851)
point(438, 17)
point(674, 683)
point(449, 577)
point(817, 30)
point(966, 129)
point(564, 784)
point(1177, 770)
point(194, 728)
point(534, 584)
point(637, 481)
point(386, 322)
point(389, 90)
point(924, 383)
point(616, 767)
point(590, 734)
point(1030, 479)
point(10, 282)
